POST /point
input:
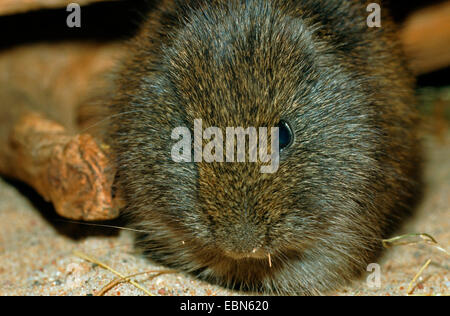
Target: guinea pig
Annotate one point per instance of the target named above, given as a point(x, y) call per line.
point(341, 97)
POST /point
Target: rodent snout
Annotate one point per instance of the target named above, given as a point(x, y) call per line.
point(244, 240)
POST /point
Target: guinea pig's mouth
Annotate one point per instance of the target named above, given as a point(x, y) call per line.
point(256, 253)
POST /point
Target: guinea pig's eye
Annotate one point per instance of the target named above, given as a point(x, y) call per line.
point(286, 135)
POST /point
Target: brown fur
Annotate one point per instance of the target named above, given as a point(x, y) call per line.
point(343, 185)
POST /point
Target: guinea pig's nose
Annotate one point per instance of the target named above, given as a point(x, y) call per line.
point(244, 247)
point(245, 238)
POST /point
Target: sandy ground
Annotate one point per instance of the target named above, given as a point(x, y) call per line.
point(36, 249)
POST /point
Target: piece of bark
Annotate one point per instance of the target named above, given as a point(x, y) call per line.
point(20, 6)
point(69, 171)
point(426, 38)
point(41, 88)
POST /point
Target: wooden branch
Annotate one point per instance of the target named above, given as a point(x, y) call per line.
point(41, 87)
point(69, 171)
point(426, 38)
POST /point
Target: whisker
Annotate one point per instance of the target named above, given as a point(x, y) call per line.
point(109, 118)
point(104, 225)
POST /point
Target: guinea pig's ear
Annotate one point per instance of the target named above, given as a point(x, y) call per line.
point(286, 134)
